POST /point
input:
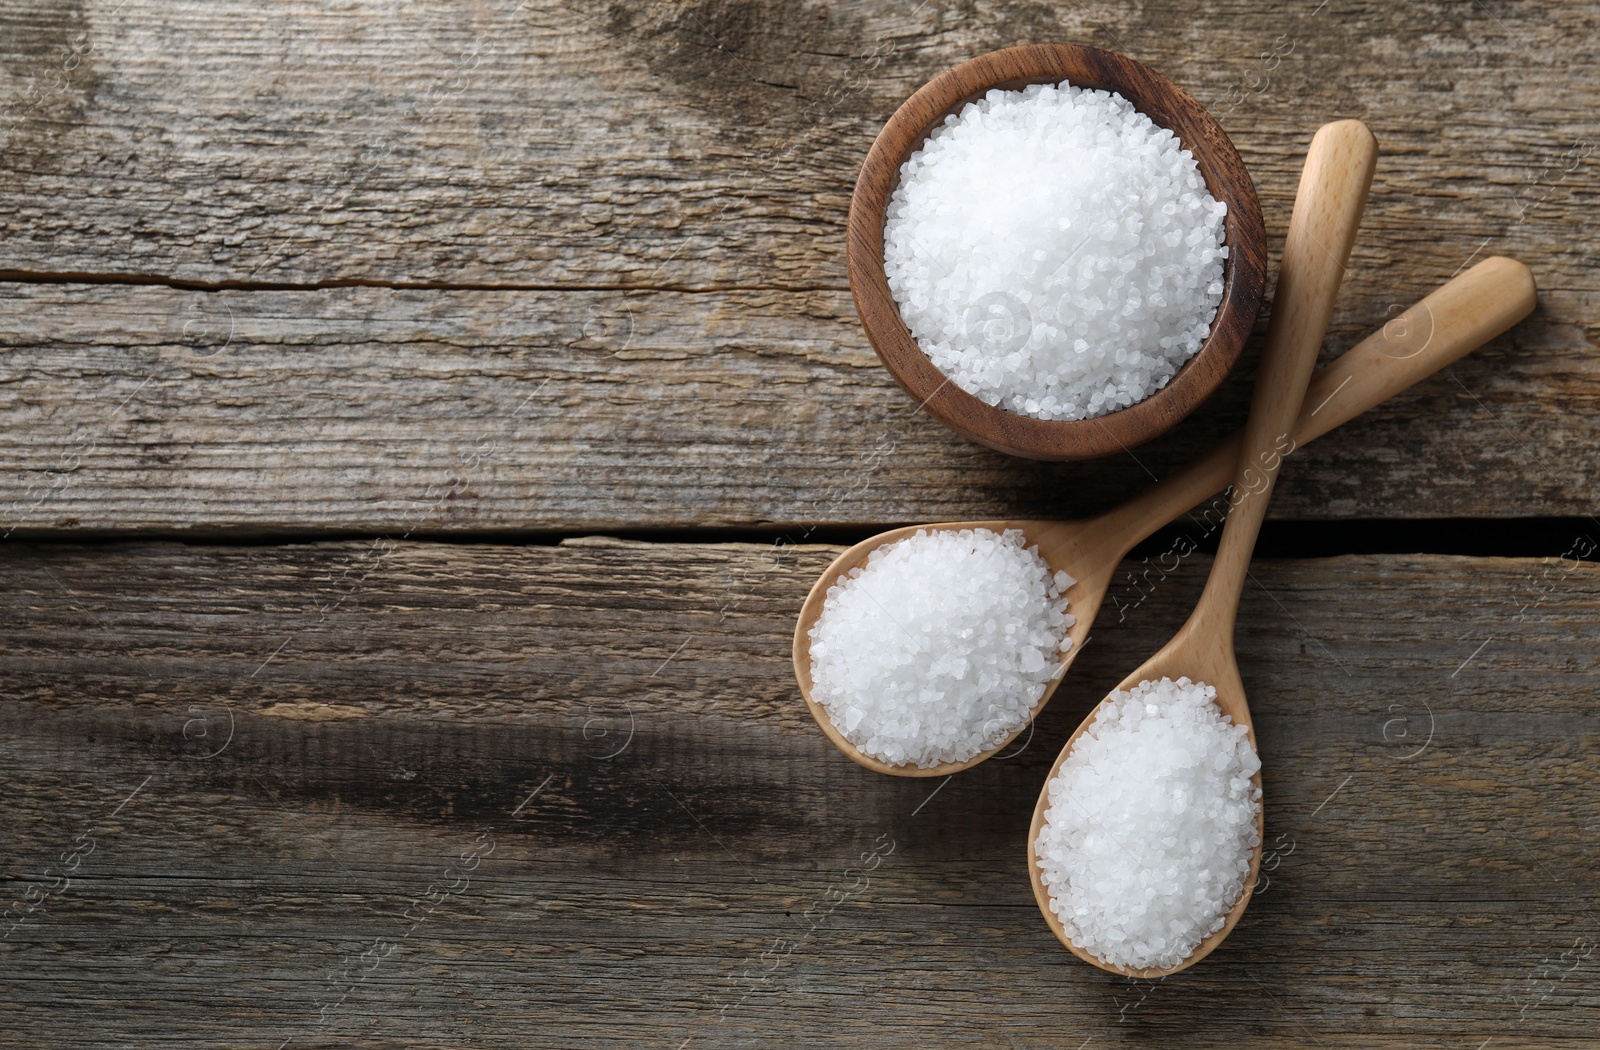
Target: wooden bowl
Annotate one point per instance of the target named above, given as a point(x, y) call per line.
point(1244, 272)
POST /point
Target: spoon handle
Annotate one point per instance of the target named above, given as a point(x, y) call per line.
point(1454, 320)
point(1327, 213)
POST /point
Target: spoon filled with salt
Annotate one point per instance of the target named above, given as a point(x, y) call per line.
point(1147, 836)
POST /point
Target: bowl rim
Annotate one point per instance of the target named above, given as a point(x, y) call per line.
point(1244, 272)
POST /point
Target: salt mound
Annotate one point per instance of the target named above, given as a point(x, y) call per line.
point(1151, 825)
point(1054, 252)
point(937, 649)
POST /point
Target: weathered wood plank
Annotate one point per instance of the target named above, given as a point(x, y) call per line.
point(713, 143)
point(547, 147)
point(619, 721)
point(407, 412)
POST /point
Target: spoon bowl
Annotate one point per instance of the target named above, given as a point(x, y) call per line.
point(1078, 548)
point(1201, 656)
point(1244, 273)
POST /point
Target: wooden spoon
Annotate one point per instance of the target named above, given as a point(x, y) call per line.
point(1459, 317)
point(1327, 212)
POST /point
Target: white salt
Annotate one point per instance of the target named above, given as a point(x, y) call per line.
point(1151, 825)
point(937, 648)
point(1054, 252)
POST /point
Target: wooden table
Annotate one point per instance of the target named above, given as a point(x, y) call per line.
point(421, 424)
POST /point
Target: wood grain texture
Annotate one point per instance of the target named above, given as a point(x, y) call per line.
point(619, 722)
point(715, 142)
point(1013, 69)
point(625, 228)
point(581, 154)
point(414, 412)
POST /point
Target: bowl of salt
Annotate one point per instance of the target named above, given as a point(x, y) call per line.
point(1056, 250)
